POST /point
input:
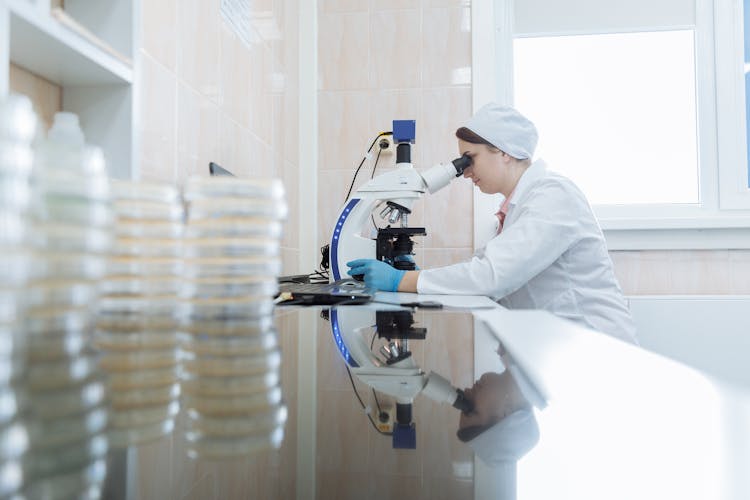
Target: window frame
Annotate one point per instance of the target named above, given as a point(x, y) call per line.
point(722, 218)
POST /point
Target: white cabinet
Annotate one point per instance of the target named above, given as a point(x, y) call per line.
point(89, 48)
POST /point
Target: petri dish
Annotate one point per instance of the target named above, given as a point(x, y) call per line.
point(229, 327)
point(243, 425)
point(225, 308)
point(55, 183)
point(67, 401)
point(42, 295)
point(230, 227)
point(228, 288)
point(134, 323)
point(203, 385)
point(68, 210)
point(67, 458)
point(146, 191)
point(148, 229)
point(207, 447)
point(60, 321)
point(124, 437)
point(140, 267)
point(55, 345)
point(123, 381)
point(231, 267)
point(45, 434)
point(153, 305)
point(59, 374)
point(71, 238)
point(231, 247)
point(240, 345)
point(231, 365)
point(146, 285)
point(72, 265)
point(214, 187)
point(138, 360)
point(228, 406)
point(150, 248)
point(128, 209)
point(143, 397)
point(15, 267)
point(215, 208)
point(135, 341)
point(137, 417)
point(82, 483)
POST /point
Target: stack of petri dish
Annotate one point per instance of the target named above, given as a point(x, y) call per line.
point(17, 128)
point(71, 219)
point(137, 328)
point(231, 359)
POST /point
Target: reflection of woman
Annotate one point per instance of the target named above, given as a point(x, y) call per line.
point(502, 427)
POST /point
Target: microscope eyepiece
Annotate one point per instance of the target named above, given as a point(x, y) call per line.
point(461, 164)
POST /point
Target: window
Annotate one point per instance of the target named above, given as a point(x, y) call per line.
point(616, 112)
point(641, 103)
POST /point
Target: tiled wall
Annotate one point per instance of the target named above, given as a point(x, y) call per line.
point(206, 96)
point(386, 60)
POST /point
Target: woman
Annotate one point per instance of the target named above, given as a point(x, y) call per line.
point(549, 252)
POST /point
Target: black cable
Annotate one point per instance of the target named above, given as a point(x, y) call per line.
point(356, 172)
point(369, 417)
point(372, 175)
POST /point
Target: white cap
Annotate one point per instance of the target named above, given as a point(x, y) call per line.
point(508, 440)
point(506, 129)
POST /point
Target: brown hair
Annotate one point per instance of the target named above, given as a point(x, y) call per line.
point(467, 135)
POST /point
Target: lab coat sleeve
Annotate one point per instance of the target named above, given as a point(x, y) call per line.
point(548, 223)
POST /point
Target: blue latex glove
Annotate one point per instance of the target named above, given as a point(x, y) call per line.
point(377, 274)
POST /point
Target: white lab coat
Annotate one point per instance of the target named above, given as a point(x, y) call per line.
point(551, 254)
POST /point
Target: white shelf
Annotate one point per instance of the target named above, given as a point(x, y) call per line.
point(43, 46)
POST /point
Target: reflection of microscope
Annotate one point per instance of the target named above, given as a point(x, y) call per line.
point(391, 195)
point(392, 371)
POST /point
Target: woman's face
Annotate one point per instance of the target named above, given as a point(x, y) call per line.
point(488, 168)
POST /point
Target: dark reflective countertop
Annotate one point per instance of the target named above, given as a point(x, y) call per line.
point(358, 402)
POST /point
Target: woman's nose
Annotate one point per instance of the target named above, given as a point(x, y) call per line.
point(467, 172)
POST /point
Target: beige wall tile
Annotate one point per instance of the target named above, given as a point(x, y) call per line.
point(158, 126)
point(344, 134)
point(389, 105)
point(343, 51)
point(45, 95)
point(237, 147)
point(325, 6)
point(159, 33)
point(446, 3)
point(381, 5)
point(449, 216)
point(259, 91)
point(290, 261)
point(444, 111)
point(739, 272)
point(290, 178)
point(445, 256)
point(341, 448)
point(446, 46)
point(396, 49)
point(198, 46)
point(236, 71)
point(197, 132)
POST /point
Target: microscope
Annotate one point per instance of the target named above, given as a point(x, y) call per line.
point(390, 195)
point(392, 370)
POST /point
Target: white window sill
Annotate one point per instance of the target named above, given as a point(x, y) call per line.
point(704, 233)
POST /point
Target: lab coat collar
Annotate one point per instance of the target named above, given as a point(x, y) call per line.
point(536, 171)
